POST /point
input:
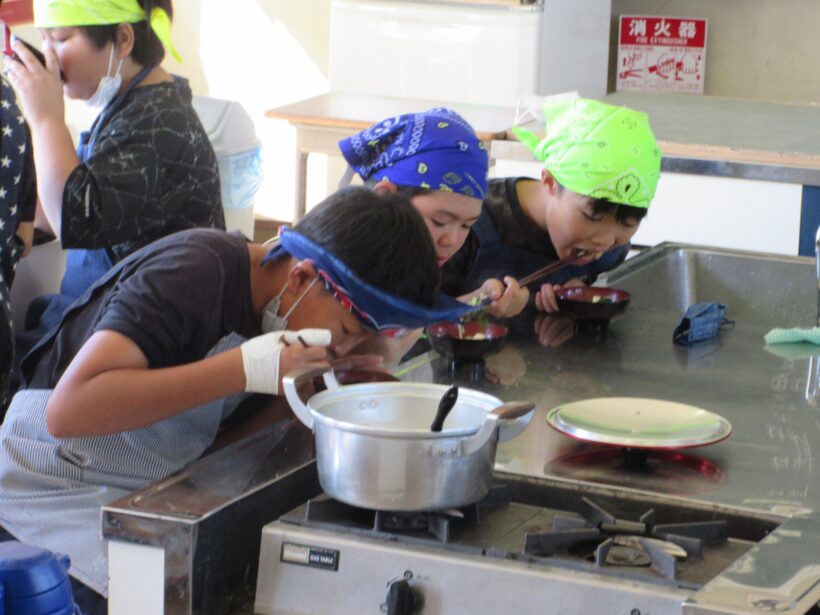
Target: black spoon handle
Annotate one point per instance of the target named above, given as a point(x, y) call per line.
point(448, 400)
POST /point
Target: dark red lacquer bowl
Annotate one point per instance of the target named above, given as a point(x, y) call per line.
point(592, 302)
point(446, 339)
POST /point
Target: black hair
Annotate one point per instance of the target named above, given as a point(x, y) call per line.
point(148, 49)
point(622, 213)
point(381, 237)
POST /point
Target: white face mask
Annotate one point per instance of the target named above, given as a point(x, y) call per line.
point(108, 86)
point(271, 321)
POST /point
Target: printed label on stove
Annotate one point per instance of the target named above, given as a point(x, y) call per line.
point(305, 555)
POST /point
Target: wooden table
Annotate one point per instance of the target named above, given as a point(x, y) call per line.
point(321, 122)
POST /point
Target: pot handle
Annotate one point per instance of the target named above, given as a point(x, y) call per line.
point(507, 412)
point(292, 395)
point(511, 427)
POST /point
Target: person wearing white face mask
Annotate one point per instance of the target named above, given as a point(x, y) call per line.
point(137, 378)
point(145, 168)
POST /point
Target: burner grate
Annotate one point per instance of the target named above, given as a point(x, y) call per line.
point(525, 512)
point(439, 524)
point(600, 536)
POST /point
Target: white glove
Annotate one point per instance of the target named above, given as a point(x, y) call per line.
point(260, 356)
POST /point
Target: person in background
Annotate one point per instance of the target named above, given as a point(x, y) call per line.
point(18, 201)
point(144, 170)
point(135, 381)
point(601, 168)
point(437, 161)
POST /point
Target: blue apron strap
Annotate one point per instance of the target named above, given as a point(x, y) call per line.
point(82, 269)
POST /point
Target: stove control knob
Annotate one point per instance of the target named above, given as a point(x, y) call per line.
point(402, 599)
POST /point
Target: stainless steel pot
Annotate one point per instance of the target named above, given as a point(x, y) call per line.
point(374, 447)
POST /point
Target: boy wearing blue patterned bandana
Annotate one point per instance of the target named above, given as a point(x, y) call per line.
point(141, 371)
point(437, 161)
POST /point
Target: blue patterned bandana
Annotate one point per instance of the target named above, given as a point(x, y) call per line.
point(437, 150)
point(376, 309)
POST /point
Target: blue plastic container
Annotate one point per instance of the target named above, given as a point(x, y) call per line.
point(34, 581)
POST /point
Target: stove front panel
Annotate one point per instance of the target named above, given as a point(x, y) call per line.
point(304, 572)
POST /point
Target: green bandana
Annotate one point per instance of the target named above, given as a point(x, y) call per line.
point(598, 150)
point(68, 13)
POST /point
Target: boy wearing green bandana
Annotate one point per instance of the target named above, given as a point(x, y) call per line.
point(601, 167)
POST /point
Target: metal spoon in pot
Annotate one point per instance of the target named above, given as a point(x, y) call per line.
point(448, 400)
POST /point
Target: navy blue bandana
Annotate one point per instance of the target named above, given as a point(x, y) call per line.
point(376, 309)
point(437, 150)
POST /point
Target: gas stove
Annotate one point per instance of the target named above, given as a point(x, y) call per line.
point(531, 544)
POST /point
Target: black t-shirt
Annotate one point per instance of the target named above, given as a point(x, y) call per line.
point(152, 172)
point(512, 224)
point(175, 298)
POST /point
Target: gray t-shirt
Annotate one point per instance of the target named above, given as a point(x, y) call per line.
point(175, 298)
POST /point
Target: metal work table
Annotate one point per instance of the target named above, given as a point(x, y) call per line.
point(205, 516)
point(772, 402)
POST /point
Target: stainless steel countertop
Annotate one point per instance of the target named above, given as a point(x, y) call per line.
point(768, 460)
point(767, 464)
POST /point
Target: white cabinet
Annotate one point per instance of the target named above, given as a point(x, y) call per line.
point(485, 52)
point(451, 53)
point(724, 212)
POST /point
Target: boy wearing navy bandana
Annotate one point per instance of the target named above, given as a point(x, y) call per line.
point(436, 160)
point(155, 349)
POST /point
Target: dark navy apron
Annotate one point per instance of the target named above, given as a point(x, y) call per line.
point(86, 266)
point(496, 259)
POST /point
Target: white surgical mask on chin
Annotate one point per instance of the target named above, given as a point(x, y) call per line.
point(108, 86)
point(271, 321)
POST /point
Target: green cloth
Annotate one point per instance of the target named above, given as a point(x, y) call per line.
point(68, 13)
point(790, 336)
point(598, 150)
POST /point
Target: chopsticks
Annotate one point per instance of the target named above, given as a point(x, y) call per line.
point(298, 337)
point(551, 268)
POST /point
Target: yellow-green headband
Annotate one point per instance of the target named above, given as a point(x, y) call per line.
point(69, 13)
point(598, 150)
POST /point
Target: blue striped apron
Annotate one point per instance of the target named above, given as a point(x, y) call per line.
point(51, 489)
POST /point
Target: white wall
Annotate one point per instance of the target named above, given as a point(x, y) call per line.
point(265, 54)
point(756, 49)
